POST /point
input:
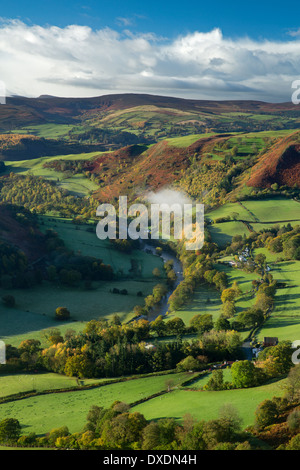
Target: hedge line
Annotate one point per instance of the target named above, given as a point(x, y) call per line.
point(34, 393)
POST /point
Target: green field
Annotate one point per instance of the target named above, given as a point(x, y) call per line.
point(284, 321)
point(260, 214)
point(48, 131)
point(71, 408)
point(35, 307)
point(77, 184)
point(205, 405)
point(78, 239)
point(274, 210)
point(17, 383)
point(187, 140)
point(222, 233)
point(205, 300)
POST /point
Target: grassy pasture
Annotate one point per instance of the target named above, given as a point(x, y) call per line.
point(71, 408)
point(205, 404)
point(274, 210)
point(222, 233)
point(260, 214)
point(88, 244)
point(16, 383)
point(48, 131)
point(206, 300)
point(77, 183)
point(187, 140)
point(284, 321)
point(35, 307)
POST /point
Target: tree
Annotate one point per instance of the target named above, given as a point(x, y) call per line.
point(266, 413)
point(62, 313)
point(156, 272)
point(123, 430)
point(260, 259)
point(250, 318)
point(158, 326)
point(293, 420)
point(202, 322)
point(228, 295)
point(228, 309)
point(175, 326)
point(243, 374)
point(292, 388)
point(222, 324)
point(294, 443)
point(277, 360)
point(216, 381)
point(10, 430)
point(188, 363)
point(9, 300)
point(79, 366)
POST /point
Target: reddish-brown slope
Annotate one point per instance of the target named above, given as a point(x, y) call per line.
point(281, 164)
point(158, 167)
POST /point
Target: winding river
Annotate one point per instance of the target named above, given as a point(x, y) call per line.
point(162, 307)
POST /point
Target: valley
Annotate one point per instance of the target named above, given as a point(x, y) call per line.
point(144, 329)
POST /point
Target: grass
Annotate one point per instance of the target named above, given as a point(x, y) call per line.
point(78, 183)
point(48, 131)
point(187, 140)
point(35, 307)
point(222, 233)
point(206, 405)
point(227, 210)
point(88, 244)
point(16, 383)
point(284, 321)
point(274, 209)
point(261, 214)
point(206, 300)
point(71, 408)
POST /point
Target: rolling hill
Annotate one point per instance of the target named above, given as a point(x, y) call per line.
point(281, 164)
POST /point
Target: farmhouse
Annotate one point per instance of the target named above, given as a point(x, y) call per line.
point(270, 341)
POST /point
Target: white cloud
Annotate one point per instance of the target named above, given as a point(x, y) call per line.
point(78, 61)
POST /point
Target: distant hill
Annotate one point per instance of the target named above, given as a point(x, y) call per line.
point(22, 111)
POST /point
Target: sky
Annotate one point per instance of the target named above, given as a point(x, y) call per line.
point(194, 49)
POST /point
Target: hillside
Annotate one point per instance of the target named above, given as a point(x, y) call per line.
point(26, 147)
point(148, 115)
point(17, 228)
point(281, 165)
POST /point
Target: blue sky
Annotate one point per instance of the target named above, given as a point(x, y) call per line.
point(211, 49)
point(257, 19)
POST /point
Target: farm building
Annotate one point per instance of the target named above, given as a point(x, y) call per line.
point(270, 341)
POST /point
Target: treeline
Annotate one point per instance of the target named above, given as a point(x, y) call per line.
point(23, 147)
point(114, 350)
point(107, 137)
point(198, 268)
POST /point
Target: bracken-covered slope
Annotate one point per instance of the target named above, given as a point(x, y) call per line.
point(281, 164)
point(133, 169)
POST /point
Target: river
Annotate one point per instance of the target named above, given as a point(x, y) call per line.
point(162, 307)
